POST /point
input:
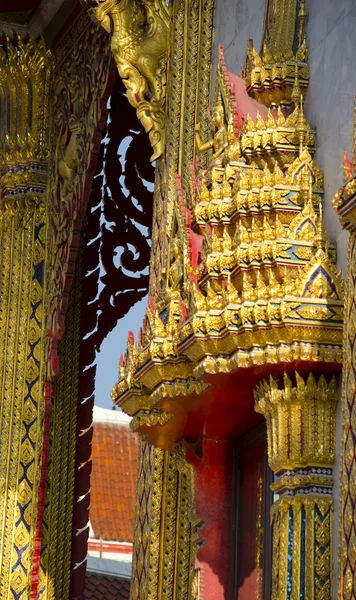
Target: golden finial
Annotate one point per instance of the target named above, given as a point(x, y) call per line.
point(227, 241)
point(305, 182)
point(310, 189)
point(302, 14)
point(302, 127)
point(319, 237)
point(219, 107)
point(216, 243)
point(296, 92)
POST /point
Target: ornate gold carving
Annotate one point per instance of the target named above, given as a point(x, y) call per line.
point(294, 413)
point(347, 510)
point(25, 78)
point(219, 142)
point(79, 92)
point(301, 423)
point(270, 75)
point(301, 529)
point(259, 536)
point(265, 262)
point(139, 43)
point(344, 203)
point(149, 419)
point(165, 526)
point(54, 577)
point(79, 88)
point(42, 199)
point(22, 351)
point(249, 278)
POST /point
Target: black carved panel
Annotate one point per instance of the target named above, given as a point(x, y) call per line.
point(119, 220)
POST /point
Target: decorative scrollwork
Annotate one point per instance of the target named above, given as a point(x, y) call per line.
point(119, 217)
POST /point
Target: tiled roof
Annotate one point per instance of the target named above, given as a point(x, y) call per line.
point(113, 480)
point(104, 587)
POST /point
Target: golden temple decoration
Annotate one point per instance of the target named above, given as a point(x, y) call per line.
point(54, 579)
point(249, 280)
point(25, 78)
point(166, 536)
point(345, 205)
point(45, 155)
point(188, 97)
point(257, 277)
point(301, 423)
point(219, 142)
point(270, 75)
point(295, 411)
point(169, 111)
point(139, 43)
point(78, 112)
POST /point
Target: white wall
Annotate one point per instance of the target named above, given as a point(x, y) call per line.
point(330, 101)
point(235, 22)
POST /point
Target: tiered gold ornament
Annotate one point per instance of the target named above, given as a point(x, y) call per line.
point(251, 286)
point(257, 285)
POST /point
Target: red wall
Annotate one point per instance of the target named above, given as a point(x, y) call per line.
point(213, 474)
point(251, 467)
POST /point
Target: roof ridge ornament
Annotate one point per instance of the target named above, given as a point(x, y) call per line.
point(139, 42)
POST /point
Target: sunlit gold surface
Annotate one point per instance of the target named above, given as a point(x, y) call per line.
point(139, 43)
point(266, 289)
point(50, 111)
point(264, 292)
point(270, 75)
point(25, 78)
point(301, 423)
point(302, 413)
point(80, 84)
point(166, 535)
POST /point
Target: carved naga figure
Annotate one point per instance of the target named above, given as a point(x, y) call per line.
point(139, 44)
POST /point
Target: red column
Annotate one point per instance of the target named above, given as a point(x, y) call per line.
point(213, 473)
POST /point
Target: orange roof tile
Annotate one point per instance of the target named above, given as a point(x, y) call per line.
point(104, 587)
point(113, 481)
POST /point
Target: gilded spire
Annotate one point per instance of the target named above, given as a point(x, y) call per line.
point(319, 237)
point(302, 14)
point(302, 127)
point(296, 92)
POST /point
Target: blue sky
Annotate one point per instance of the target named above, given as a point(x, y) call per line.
point(111, 348)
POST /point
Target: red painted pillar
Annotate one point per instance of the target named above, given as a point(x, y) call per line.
point(213, 476)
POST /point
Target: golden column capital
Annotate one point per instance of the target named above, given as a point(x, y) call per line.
point(300, 415)
point(301, 420)
point(25, 79)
